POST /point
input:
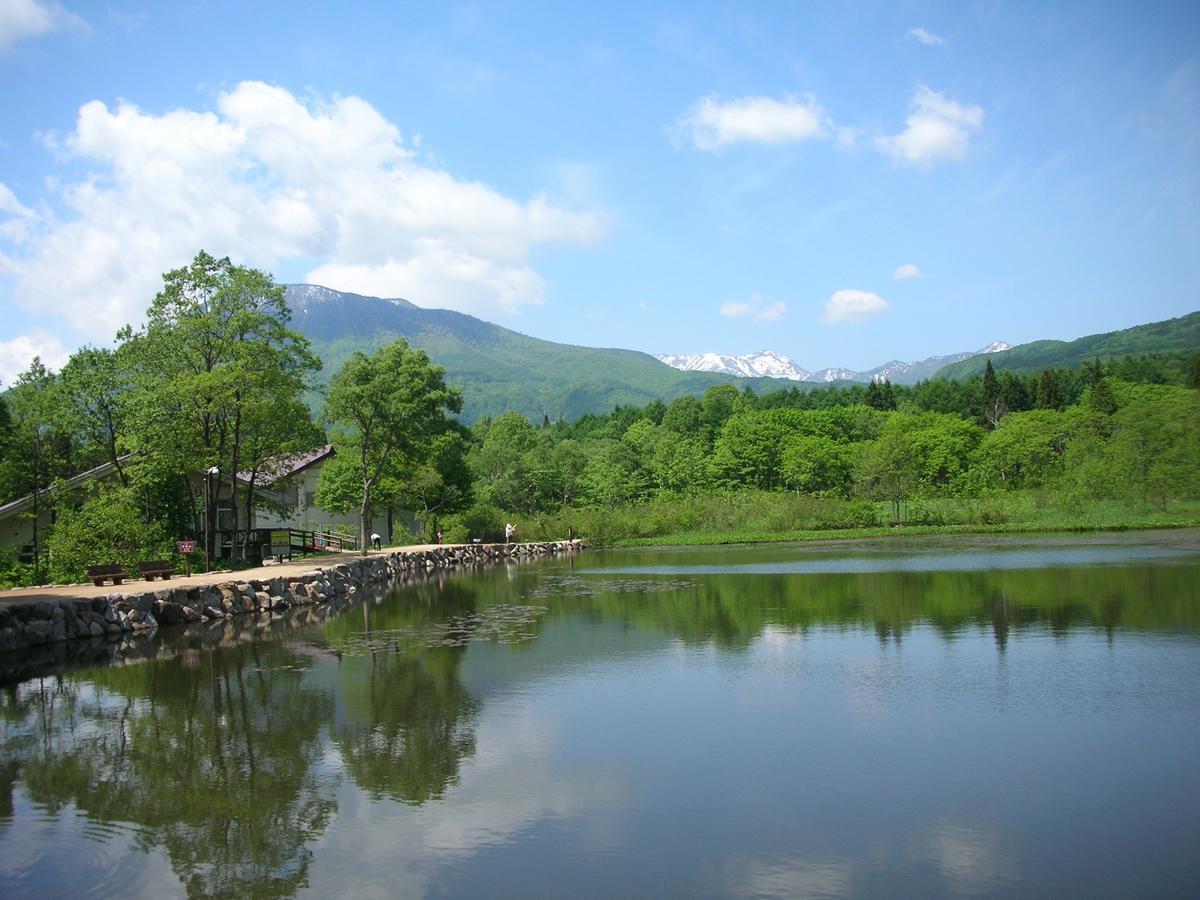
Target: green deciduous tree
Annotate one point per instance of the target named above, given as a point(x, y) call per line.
point(109, 527)
point(217, 375)
point(385, 412)
point(887, 469)
point(816, 464)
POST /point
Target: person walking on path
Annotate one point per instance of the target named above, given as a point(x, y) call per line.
point(376, 541)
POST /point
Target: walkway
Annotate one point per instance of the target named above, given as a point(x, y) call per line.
point(135, 585)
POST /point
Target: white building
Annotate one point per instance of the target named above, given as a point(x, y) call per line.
point(289, 501)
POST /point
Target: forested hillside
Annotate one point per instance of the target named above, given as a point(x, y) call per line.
point(1176, 337)
point(497, 369)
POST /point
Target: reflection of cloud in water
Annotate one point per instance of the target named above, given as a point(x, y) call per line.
point(387, 849)
point(105, 858)
point(797, 877)
point(972, 860)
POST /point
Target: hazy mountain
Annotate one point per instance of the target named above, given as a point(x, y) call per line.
point(498, 369)
point(770, 363)
point(1172, 335)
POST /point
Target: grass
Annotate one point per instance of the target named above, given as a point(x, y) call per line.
point(756, 517)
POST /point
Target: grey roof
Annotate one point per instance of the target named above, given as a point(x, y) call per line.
point(101, 471)
point(289, 464)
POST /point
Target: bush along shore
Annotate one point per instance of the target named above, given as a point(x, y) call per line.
point(51, 621)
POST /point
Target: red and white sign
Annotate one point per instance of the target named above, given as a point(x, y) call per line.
point(185, 547)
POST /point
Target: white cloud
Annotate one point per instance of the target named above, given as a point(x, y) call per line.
point(758, 308)
point(711, 123)
point(23, 19)
point(267, 178)
point(17, 354)
point(848, 306)
point(925, 37)
point(937, 130)
point(906, 271)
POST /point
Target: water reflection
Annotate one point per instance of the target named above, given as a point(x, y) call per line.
point(780, 733)
point(212, 760)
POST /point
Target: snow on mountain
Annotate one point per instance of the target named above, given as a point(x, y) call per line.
point(767, 364)
point(828, 375)
point(771, 364)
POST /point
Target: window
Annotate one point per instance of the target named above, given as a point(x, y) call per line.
point(308, 498)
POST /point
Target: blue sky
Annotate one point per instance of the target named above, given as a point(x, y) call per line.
point(844, 183)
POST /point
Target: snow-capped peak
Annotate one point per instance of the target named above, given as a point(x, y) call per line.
point(994, 347)
point(764, 364)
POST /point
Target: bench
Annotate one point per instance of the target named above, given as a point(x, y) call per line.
point(151, 570)
point(100, 574)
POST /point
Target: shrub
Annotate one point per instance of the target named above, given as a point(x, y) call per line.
point(107, 529)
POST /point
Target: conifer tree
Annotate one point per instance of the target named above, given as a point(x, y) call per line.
point(993, 399)
point(1048, 395)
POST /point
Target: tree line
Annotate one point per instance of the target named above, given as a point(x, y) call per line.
point(201, 403)
point(215, 385)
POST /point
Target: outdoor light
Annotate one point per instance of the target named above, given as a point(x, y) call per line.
point(208, 516)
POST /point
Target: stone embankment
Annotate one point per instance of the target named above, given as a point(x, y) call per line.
point(44, 622)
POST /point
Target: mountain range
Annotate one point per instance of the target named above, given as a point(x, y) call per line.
point(500, 370)
point(772, 364)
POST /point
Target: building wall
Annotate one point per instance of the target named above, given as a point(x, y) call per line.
point(304, 514)
point(17, 530)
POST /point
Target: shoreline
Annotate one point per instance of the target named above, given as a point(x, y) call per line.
point(56, 615)
point(702, 539)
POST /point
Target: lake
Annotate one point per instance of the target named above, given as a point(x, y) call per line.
point(919, 717)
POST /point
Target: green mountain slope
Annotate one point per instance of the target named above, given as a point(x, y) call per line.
point(1171, 336)
point(497, 369)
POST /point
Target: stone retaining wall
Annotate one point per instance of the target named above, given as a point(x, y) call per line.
point(53, 621)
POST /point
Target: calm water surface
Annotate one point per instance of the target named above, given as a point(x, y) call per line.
point(942, 717)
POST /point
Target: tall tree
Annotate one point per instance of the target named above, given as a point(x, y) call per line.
point(993, 398)
point(93, 387)
point(887, 469)
point(214, 369)
point(1048, 396)
point(384, 412)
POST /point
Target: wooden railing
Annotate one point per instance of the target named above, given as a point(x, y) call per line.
point(260, 543)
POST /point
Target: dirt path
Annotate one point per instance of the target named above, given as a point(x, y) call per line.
point(135, 585)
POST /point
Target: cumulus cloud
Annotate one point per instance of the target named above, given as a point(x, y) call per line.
point(757, 308)
point(712, 123)
point(925, 37)
point(906, 271)
point(268, 178)
point(17, 354)
point(23, 19)
point(849, 306)
point(937, 130)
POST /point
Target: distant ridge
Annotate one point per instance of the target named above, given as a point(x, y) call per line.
point(498, 369)
point(770, 363)
point(1170, 335)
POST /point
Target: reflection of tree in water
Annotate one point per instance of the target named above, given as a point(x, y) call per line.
point(408, 725)
point(407, 722)
point(731, 611)
point(211, 754)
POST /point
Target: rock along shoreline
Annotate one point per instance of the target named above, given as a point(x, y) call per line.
point(24, 626)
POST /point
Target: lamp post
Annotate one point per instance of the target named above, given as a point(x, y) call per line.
point(37, 512)
point(208, 516)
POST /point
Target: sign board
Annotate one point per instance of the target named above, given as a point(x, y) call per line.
point(185, 547)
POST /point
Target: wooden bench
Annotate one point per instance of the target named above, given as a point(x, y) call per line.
point(152, 570)
point(100, 574)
